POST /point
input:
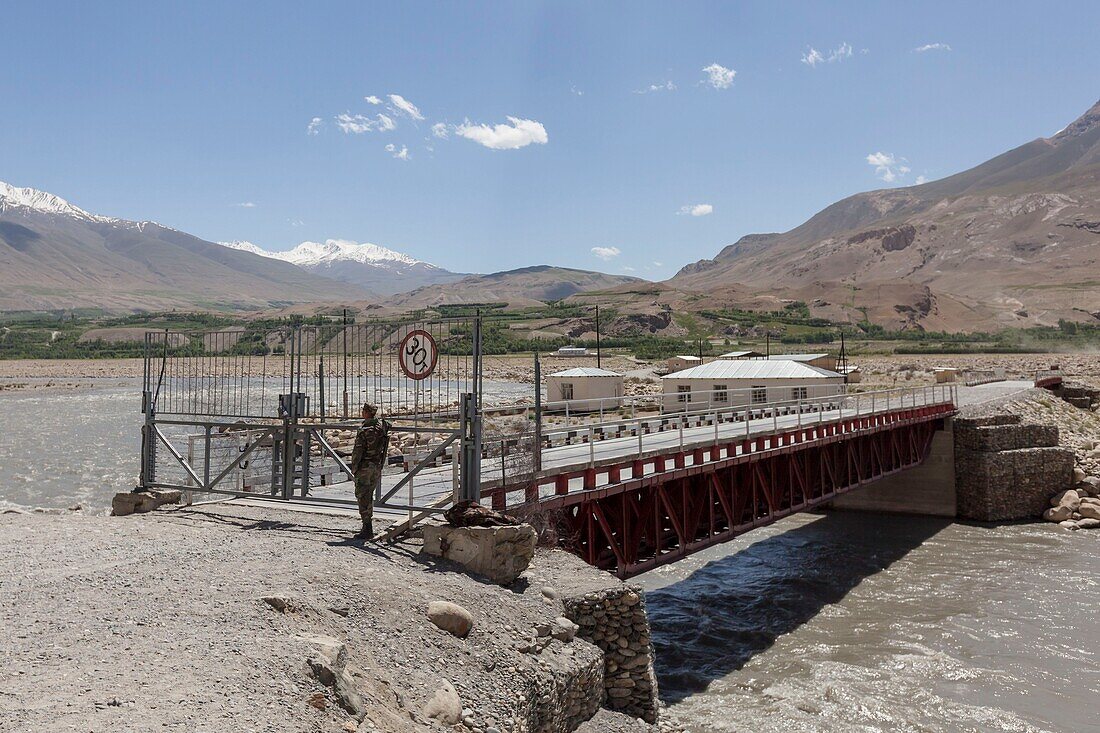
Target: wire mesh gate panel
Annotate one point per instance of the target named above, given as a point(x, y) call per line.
point(273, 411)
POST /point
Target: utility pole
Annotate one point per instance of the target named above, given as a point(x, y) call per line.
point(538, 413)
point(345, 363)
point(843, 360)
point(768, 348)
point(599, 362)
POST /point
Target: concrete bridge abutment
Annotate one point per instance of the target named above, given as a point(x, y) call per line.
point(993, 468)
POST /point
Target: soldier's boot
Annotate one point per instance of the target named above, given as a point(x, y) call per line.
point(367, 532)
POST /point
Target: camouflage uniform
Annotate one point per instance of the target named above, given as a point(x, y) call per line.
point(371, 442)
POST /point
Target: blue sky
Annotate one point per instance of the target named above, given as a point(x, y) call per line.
point(181, 113)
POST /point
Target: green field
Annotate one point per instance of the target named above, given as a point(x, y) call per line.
point(59, 335)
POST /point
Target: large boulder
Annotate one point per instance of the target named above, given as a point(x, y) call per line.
point(500, 554)
point(1090, 510)
point(1058, 514)
point(451, 617)
point(1068, 498)
point(445, 705)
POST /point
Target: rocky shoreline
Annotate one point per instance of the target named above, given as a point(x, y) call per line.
point(230, 617)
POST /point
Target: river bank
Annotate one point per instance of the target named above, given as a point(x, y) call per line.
point(159, 622)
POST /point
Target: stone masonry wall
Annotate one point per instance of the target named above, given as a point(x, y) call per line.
point(568, 687)
point(1006, 469)
point(614, 619)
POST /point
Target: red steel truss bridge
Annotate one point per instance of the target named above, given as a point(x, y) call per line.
point(635, 511)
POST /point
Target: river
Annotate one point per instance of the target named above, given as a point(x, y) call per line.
point(833, 622)
point(860, 622)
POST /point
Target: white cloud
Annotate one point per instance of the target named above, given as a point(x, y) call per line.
point(401, 104)
point(385, 124)
point(606, 253)
point(813, 57)
point(668, 86)
point(402, 154)
point(932, 47)
point(920, 180)
point(373, 99)
point(843, 51)
point(576, 91)
point(440, 130)
point(888, 167)
point(658, 264)
point(314, 126)
point(358, 124)
point(696, 210)
point(246, 205)
point(517, 134)
point(628, 268)
point(295, 222)
point(719, 76)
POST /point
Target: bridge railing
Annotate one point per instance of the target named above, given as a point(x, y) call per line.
point(1048, 377)
point(643, 433)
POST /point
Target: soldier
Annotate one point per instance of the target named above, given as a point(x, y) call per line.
point(371, 443)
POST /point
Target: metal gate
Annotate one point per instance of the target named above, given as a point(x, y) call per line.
point(271, 411)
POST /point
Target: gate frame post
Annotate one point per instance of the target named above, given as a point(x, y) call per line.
point(470, 482)
point(470, 416)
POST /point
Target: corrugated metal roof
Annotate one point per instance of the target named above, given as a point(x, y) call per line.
point(753, 369)
point(739, 354)
point(585, 372)
point(797, 357)
point(686, 357)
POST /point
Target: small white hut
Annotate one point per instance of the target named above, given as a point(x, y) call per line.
point(583, 389)
point(678, 363)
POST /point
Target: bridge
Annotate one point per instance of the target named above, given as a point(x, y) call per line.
point(671, 486)
point(629, 486)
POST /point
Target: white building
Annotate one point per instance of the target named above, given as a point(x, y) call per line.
point(742, 355)
point(823, 361)
point(677, 363)
point(584, 389)
point(571, 351)
point(738, 383)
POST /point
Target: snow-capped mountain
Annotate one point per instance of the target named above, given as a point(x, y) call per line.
point(55, 255)
point(12, 198)
point(378, 269)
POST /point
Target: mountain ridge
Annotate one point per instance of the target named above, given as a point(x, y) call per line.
point(1011, 233)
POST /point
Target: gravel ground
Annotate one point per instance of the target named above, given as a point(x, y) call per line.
point(1078, 429)
point(156, 622)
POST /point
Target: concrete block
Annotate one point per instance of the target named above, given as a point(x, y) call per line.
point(500, 554)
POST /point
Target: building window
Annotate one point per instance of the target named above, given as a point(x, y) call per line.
point(683, 393)
point(720, 394)
point(799, 393)
point(759, 394)
point(567, 390)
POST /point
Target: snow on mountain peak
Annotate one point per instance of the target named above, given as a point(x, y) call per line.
point(31, 198)
point(311, 254)
point(247, 247)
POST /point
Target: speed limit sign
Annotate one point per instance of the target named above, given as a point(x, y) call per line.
point(418, 355)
